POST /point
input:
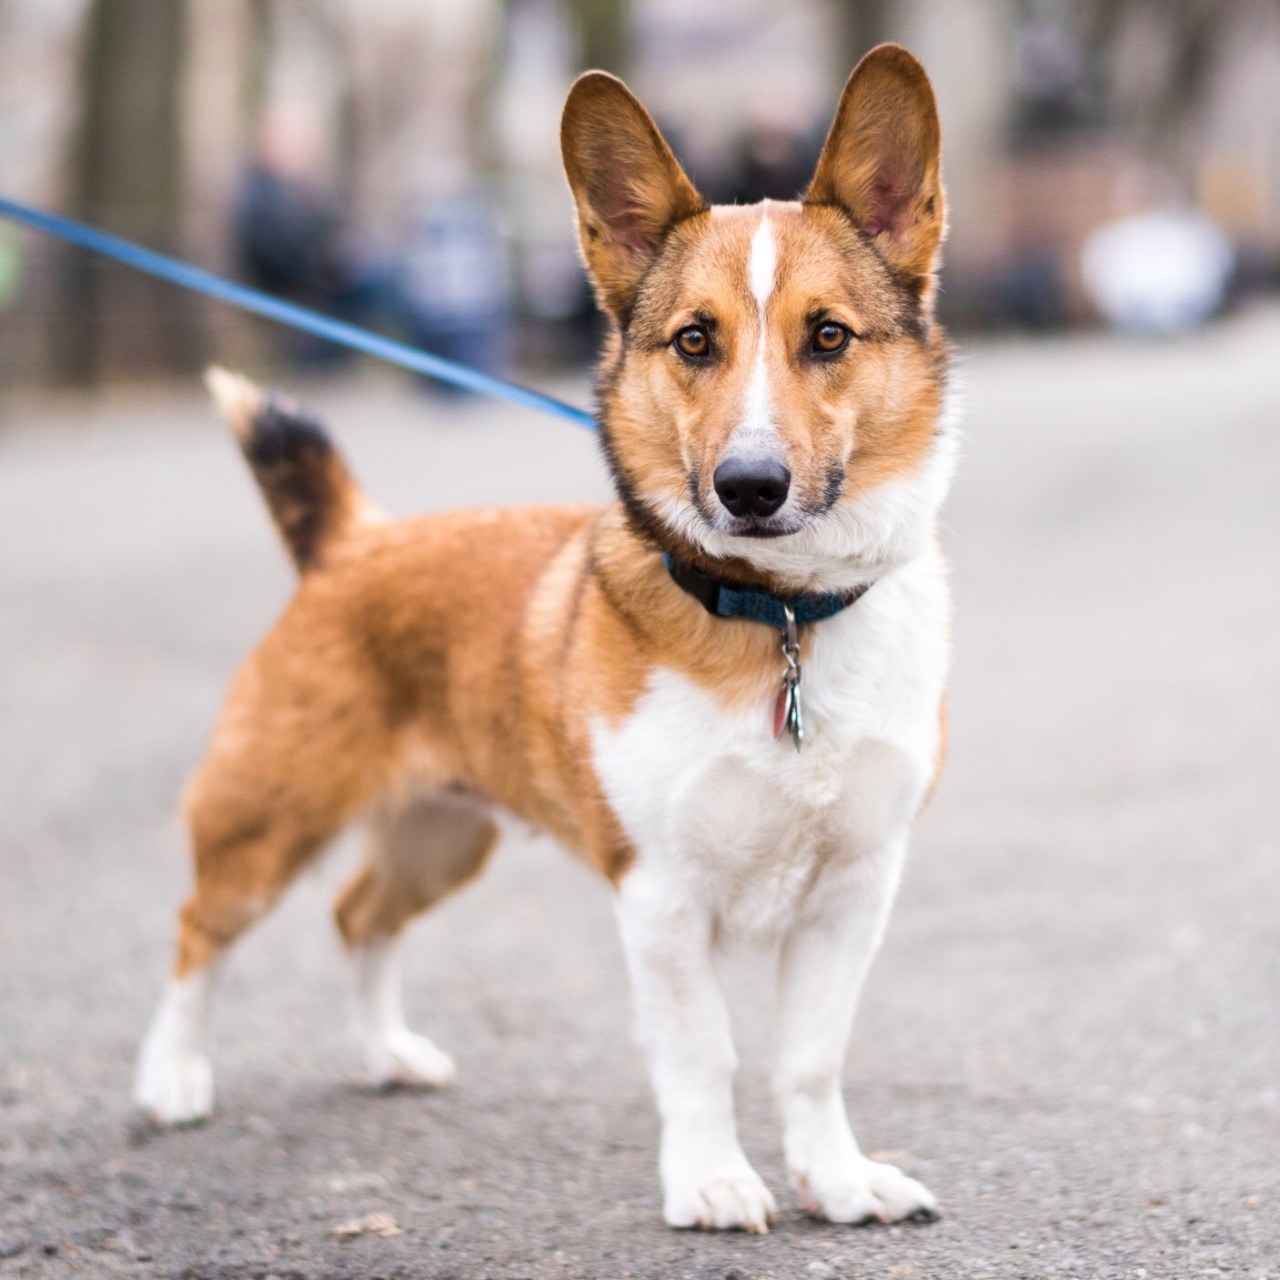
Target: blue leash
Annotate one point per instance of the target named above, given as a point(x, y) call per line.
point(186, 276)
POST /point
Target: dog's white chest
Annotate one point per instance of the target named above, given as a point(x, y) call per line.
point(744, 822)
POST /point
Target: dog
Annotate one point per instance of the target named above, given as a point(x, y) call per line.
point(725, 690)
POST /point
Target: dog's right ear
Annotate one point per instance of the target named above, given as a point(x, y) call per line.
point(629, 188)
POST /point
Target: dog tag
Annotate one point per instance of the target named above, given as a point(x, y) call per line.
point(788, 710)
point(782, 708)
point(795, 720)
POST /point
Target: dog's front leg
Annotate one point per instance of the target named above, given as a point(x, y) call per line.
point(684, 1026)
point(824, 959)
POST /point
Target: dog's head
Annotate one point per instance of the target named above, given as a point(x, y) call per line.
point(771, 397)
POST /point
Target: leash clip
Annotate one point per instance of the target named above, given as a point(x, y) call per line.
point(788, 712)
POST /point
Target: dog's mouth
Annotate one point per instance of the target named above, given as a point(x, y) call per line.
point(708, 524)
point(722, 522)
point(790, 519)
point(755, 527)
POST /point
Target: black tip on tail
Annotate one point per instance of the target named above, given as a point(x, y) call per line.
point(306, 484)
point(302, 477)
point(285, 438)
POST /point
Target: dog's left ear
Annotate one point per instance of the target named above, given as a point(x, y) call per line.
point(629, 188)
point(882, 161)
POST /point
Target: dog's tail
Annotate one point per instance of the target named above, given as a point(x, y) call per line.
point(310, 493)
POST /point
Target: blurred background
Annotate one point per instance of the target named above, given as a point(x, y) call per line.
point(395, 162)
point(1073, 1032)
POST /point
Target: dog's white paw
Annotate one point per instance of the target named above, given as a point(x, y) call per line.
point(402, 1057)
point(863, 1190)
point(722, 1198)
point(174, 1080)
point(174, 1087)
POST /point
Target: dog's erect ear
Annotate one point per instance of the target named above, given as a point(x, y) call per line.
point(629, 188)
point(882, 160)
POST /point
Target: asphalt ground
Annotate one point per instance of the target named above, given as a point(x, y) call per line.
point(1072, 1034)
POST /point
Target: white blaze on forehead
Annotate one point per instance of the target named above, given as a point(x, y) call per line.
point(755, 433)
point(763, 264)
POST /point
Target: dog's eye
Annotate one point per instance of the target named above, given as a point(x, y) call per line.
point(693, 341)
point(830, 337)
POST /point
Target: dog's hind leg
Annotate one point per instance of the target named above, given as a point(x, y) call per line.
point(239, 876)
point(291, 762)
point(419, 850)
point(244, 860)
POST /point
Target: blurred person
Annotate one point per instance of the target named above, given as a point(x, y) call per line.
point(1054, 86)
point(775, 161)
point(292, 237)
point(453, 286)
point(779, 144)
point(1033, 292)
point(1160, 272)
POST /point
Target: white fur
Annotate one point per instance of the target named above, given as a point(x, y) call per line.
point(756, 434)
point(822, 965)
point(392, 1053)
point(173, 1083)
point(684, 1025)
point(738, 834)
point(763, 264)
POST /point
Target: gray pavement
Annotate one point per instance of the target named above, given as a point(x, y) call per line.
point(1073, 1033)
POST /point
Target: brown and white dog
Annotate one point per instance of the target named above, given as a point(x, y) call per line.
point(772, 408)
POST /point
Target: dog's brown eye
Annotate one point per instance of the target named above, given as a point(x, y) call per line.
point(829, 337)
point(693, 341)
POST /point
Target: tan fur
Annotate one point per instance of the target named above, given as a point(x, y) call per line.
point(469, 649)
point(419, 850)
point(882, 161)
point(940, 762)
point(470, 654)
point(628, 186)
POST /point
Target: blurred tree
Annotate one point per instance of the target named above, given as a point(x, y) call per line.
point(603, 28)
point(862, 25)
point(1193, 34)
point(1183, 42)
point(126, 175)
point(260, 47)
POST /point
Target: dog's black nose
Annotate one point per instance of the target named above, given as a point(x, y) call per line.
point(752, 486)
